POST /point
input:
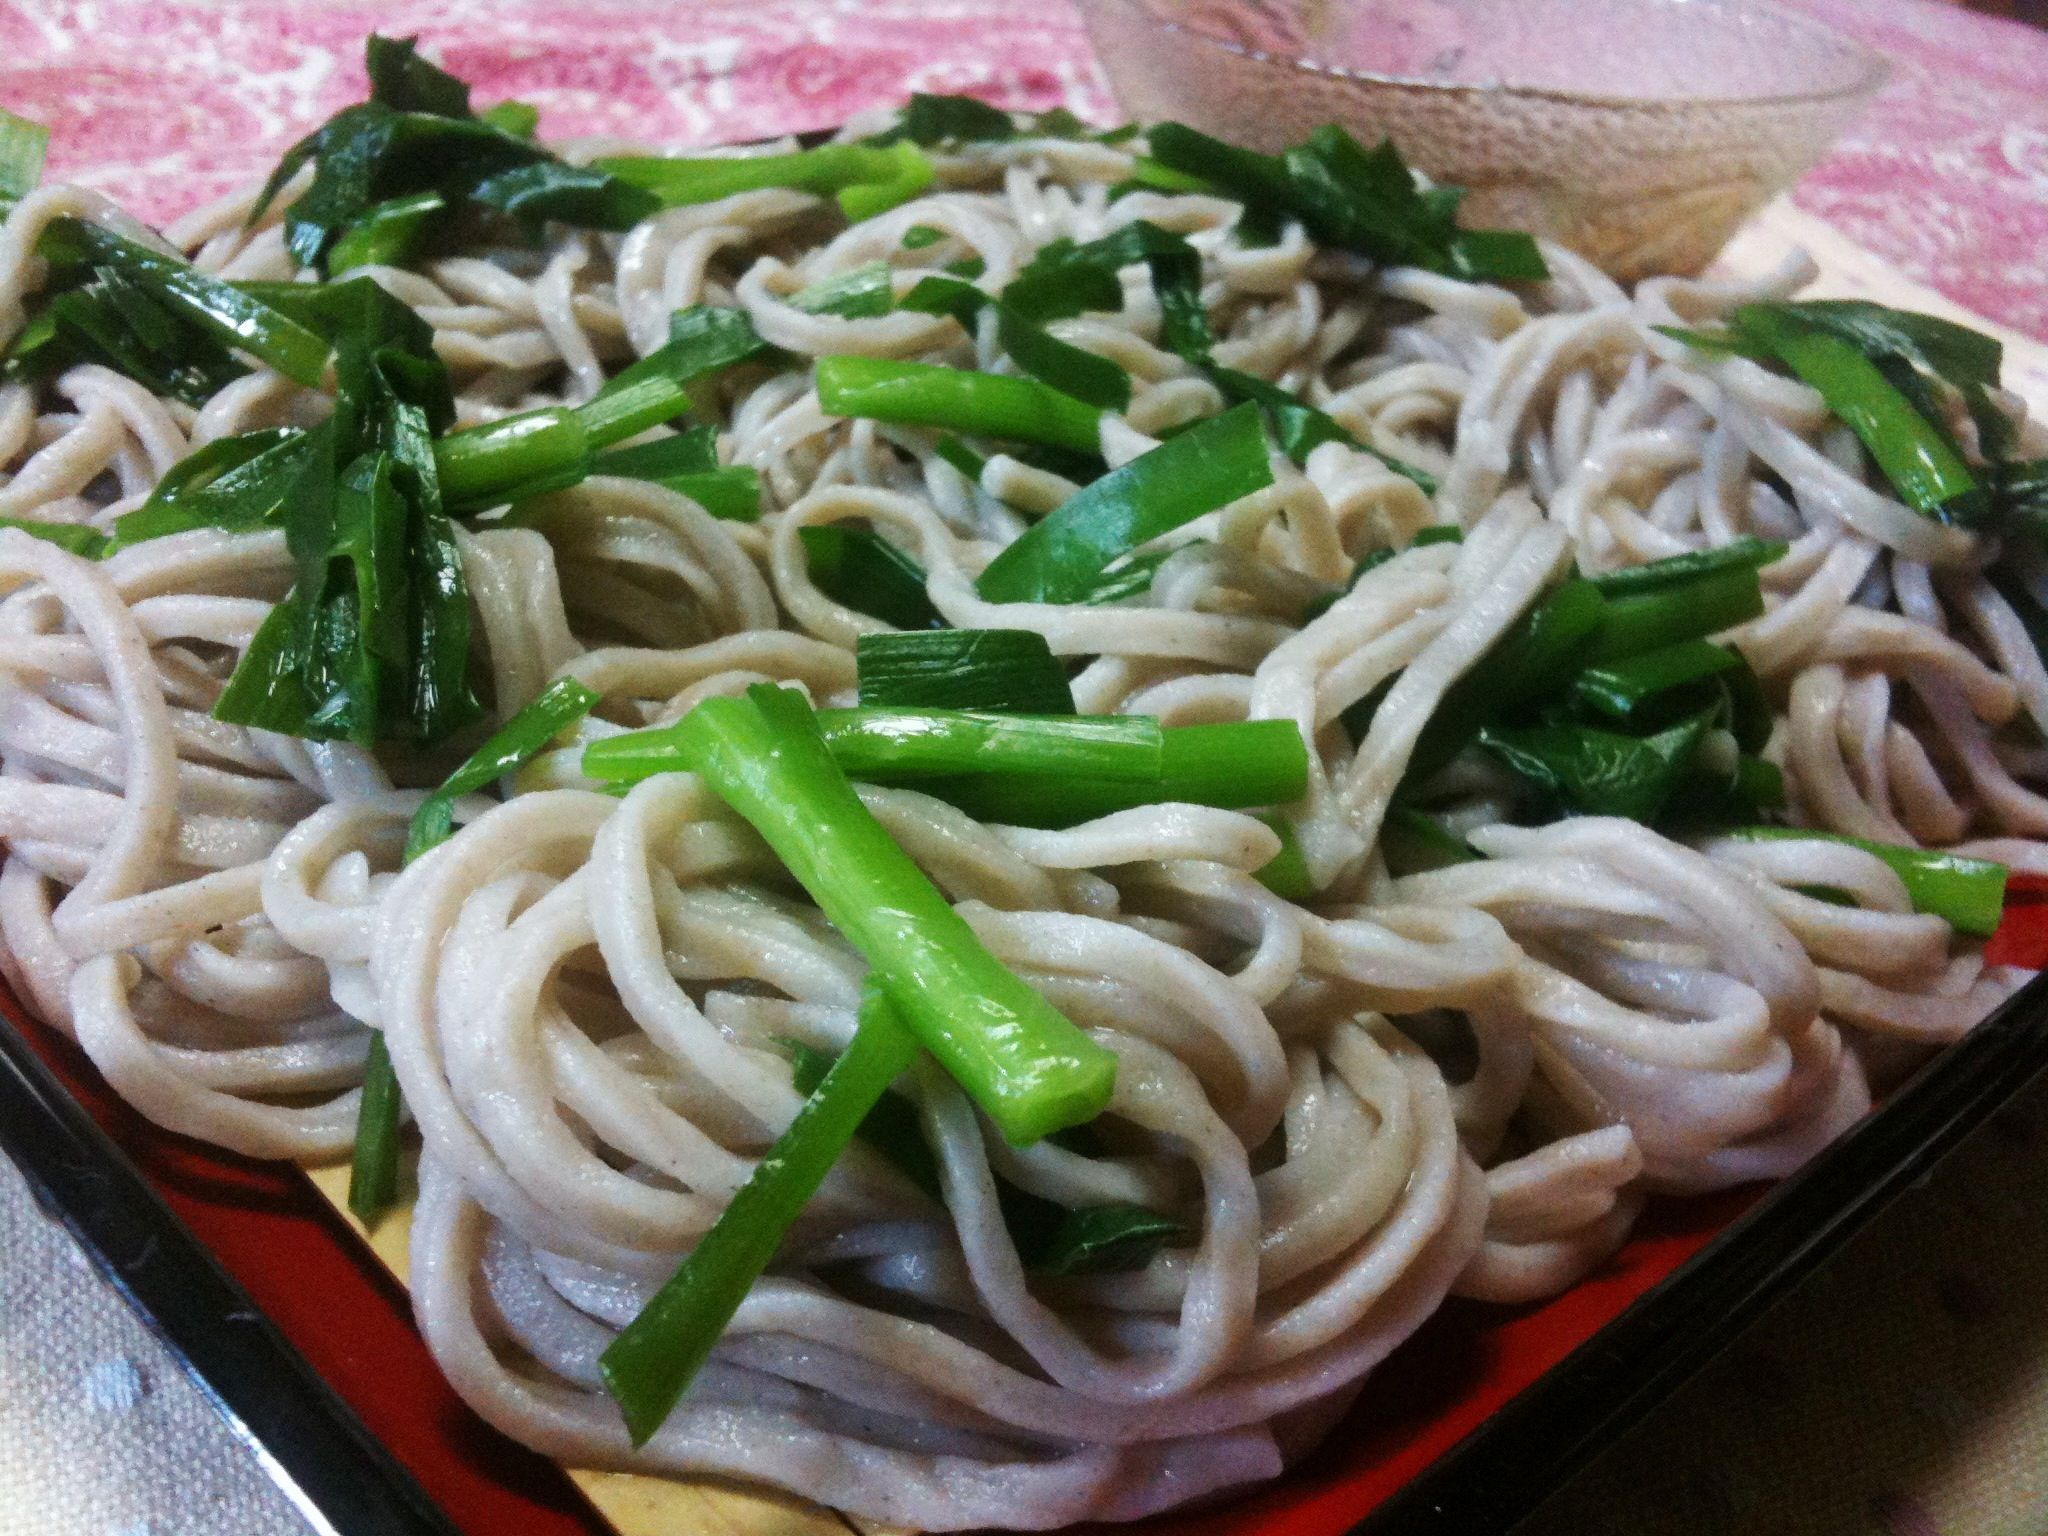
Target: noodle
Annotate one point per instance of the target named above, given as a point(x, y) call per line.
point(1463, 1080)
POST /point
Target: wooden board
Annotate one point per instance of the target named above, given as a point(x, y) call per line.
point(639, 1505)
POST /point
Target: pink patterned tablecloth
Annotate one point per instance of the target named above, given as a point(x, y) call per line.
point(163, 101)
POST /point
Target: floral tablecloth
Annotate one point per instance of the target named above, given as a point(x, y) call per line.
point(162, 101)
point(1905, 1392)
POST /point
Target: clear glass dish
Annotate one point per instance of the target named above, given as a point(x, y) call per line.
point(1638, 132)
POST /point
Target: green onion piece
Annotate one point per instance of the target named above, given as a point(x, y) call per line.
point(1967, 894)
point(1688, 610)
point(910, 177)
point(1157, 176)
point(693, 451)
point(1051, 1239)
point(828, 170)
point(373, 1169)
point(1258, 762)
point(999, 669)
point(891, 744)
point(1131, 576)
point(1066, 279)
point(1952, 352)
point(1413, 843)
point(1599, 773)
point(235, 482)
point(1067, 368)
point(1059, 558)
point(930, 120)
point(1301, 428)
point(388, 234)
point(76, 537)
point(416, 134)
point(1244, 174)
point(2022, 491)
point(1619, 688)
point(1745, 553)
point(1027, 1067)
point(1714, 800)
point(221, 310)
point(1866, 362)
point(523, 456)
point(652, 1362)
point(1543, 649)
point(517, 741)
point(372, 642)
point(961, 457)
point(518, 118)
point(546, 189)
point(918, 236)
point(955, 400)
point(1286, 873)
point(1918, 460)
point(108, 317)
point(859, 293)
point(1345, 194)
point(702, 341)
point(401, 79)
point(22, 147)
point(865, 572)
point(732, 495)
point(891, 1127)
point(1102, 1239)
point(543, 449)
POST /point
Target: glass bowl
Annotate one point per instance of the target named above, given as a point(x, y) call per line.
point(1638, 132)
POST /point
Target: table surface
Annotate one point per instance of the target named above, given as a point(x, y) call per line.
point(1903, 1391)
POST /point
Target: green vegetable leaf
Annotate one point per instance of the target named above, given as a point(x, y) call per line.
point(1745, 553)
point(1344, 194)
point(1286, 874)
point(957, 400)
point(559, 705)
point(375, 163)
point(518, 118)
point(373, 1170)
point(652, 1362)
point(1619, 688)
point(1234, 766)
point(991, 669)
point(1968, 894)
point(1412, 843)
point(865, 572)
point(153, 317)
point(388, 233)
point(933, 120)
point(235, 482)
point(372, 642)
point(403, 81)
point(1070, 369)
point(1060, 558)
point(78, 538)
point(1098, 1239)
point(1596, 772)
point(866, 178)
point(22, 147)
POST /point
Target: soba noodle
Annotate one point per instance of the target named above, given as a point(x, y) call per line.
point(1461, 1081)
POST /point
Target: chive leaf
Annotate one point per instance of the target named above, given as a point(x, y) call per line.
point(1060, 558)
point(997, 669)
point(517, 741)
